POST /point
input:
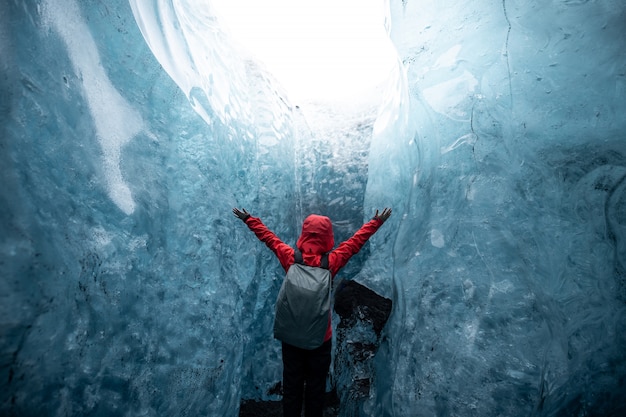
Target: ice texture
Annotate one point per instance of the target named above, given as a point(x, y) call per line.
point(130, 129)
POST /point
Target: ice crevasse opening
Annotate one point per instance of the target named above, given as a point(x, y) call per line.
point(493, 129)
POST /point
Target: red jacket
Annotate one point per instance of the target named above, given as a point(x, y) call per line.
point(316, 239)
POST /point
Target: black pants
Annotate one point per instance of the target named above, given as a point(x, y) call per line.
point(302, 366)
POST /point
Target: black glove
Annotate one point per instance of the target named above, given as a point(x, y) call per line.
point(243, 215)
point(384, 215)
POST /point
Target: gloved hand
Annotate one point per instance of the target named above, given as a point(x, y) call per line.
point(384, 215)
point(243, 215)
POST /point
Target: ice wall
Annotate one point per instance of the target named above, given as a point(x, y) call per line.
point(128, 289)
point(508, 262)
point(140, 305)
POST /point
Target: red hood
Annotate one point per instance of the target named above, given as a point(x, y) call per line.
point(317, 235)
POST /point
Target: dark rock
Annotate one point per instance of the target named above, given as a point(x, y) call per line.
point(359, 309)
point(354, 301)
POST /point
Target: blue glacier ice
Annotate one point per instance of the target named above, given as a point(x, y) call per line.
point(131, 128)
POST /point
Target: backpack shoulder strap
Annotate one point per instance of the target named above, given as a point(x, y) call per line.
point(297, 256)
point(324, 263)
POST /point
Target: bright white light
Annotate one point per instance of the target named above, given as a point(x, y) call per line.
point(318, 49)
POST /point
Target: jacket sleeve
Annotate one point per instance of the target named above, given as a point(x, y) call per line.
point(283, 252)
point(339, 257)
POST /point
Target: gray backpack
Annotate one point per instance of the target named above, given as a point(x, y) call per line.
point(303, 304)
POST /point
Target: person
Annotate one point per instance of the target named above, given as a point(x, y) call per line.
point(305, 371)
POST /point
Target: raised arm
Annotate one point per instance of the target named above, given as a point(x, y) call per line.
point(283, 252)
point(339, 257)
